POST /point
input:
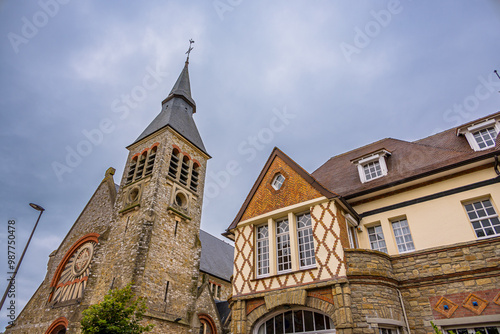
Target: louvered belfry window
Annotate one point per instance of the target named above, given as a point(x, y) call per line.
point(194, 177)
point(131, 170)
point(150, 161)
point(141, 165)
point(174, 163)
point(184, 169)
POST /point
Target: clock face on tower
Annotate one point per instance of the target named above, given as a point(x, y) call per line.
point(73, 279)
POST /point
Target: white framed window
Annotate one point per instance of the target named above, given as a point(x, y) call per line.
point(376, 236)
point(485, 138)
point(372, 166)
point(372, 170)
point(489, 329)
point(262, 251)
point(402, 234)
point(283, 253)
point(278, 181)
point(388, 330)
point(351, 225)
point(296, 321)
point(481, 136)
point(305, 241)
point(483, 217)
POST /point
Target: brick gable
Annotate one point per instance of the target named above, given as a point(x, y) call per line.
point(295, 190)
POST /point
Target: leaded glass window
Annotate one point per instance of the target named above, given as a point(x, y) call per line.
point(306, 240)
point(283, 245)
point(262, 250)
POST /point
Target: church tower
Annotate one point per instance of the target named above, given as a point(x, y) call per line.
point(154, 240)
point(144, 232)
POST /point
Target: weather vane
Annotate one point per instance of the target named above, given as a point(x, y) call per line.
point(189, 50)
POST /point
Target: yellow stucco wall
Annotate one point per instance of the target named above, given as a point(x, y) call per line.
point(437, 222)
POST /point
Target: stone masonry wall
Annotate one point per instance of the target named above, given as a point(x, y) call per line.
point(154, 246)
point(37, 316)
point(455, 273)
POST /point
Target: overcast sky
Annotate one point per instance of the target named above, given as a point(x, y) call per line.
point(315, 78)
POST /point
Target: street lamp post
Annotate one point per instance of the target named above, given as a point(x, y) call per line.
point(12, 278)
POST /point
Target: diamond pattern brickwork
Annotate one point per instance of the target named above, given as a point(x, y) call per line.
point(244, 255)
point(475, 303)
point(446, 307)
point(329, 256)
point(329, 251)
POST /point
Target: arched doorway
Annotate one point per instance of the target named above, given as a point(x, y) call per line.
point(59, 326)
point(299, 320)
point(207, 324)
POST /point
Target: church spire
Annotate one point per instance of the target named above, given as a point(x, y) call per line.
point(177, 111)
point(182, 87)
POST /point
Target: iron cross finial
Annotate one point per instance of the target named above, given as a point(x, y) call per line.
point(189, 50)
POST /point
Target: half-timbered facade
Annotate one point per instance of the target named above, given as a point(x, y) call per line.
point(382, 239)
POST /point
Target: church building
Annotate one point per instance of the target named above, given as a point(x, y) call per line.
point(382, 239)
point(145, 231)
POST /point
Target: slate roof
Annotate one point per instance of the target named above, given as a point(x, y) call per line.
point(408, 160)
point(177, 112)
point(216, 256)
point(224, 311)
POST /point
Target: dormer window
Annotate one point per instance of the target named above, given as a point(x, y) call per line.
point(278, 181)
point(372, 170)
point(481, 136)
point(485, 138)
point(372, 166)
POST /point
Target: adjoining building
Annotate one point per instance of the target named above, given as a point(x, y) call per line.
point(381, 239)
point(145, 231)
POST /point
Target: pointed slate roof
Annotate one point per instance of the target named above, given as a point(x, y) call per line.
point(177, 113)
point(182, 88)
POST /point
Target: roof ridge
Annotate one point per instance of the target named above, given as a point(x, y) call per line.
point(439, 147)
point(358, 148)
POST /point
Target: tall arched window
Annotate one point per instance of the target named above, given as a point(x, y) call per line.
point(174, 163)
point(296, 321)
point(151, 161)
point(140, 166)
point(131, 170)
point(195, 172)
point(184, 170)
